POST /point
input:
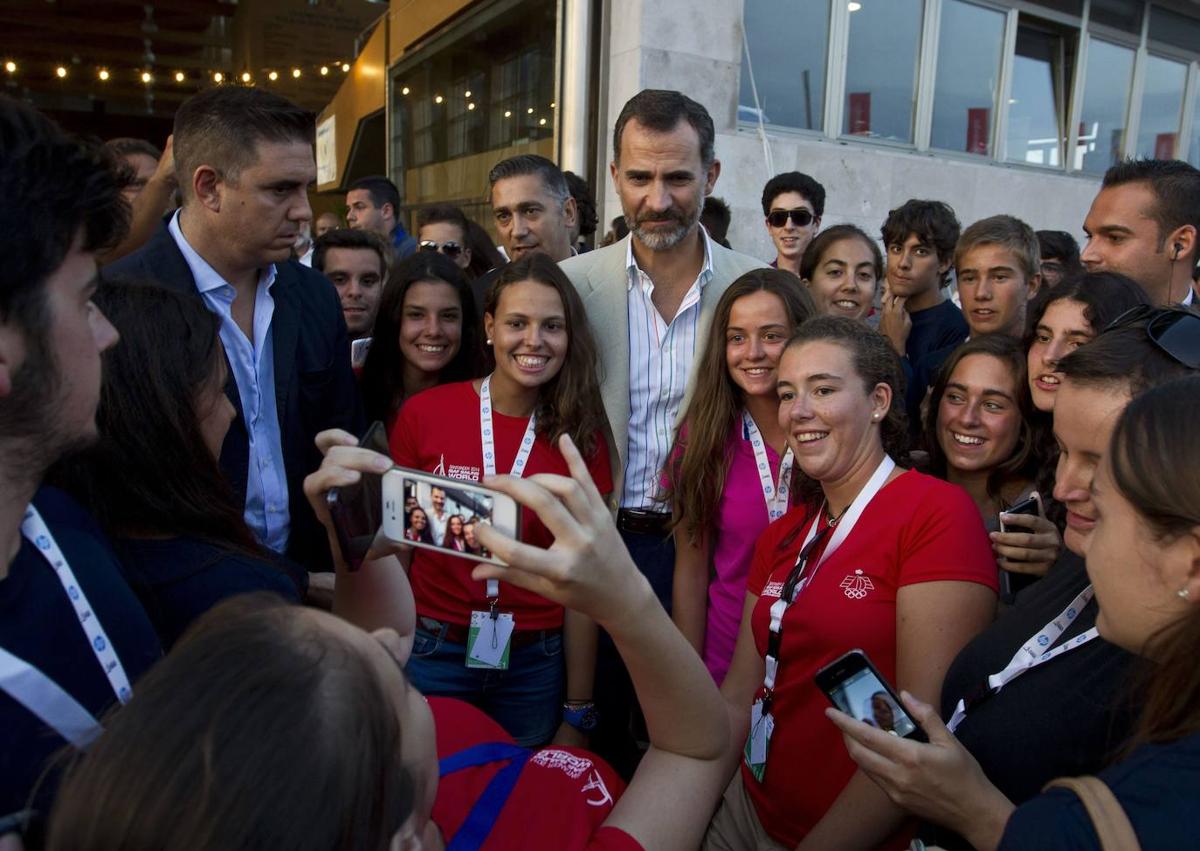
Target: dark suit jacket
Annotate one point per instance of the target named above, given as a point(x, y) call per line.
point(314, 385)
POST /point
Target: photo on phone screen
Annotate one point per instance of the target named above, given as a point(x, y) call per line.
point(854, 686)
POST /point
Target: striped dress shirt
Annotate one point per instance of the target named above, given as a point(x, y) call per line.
point(660, 360)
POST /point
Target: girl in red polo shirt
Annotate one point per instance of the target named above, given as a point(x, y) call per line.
point(880, 558)
point(544, 385)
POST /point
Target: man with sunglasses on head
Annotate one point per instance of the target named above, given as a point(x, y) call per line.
point(444, 228)
point(793, 204)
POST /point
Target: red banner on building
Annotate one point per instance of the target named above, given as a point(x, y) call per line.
point(860, 114)
point(977, 130)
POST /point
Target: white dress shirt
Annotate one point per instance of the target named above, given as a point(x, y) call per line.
point(661, 354)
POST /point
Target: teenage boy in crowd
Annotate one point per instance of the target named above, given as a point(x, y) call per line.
point(356, 262)
point(792, 204)
point(444, 228)
point(649, 299)
point(73, 637)
point(245, 161)
point(997, 264)
point(915, 315)
point(1060, 257)
point(1145, 223)
point(374, 204)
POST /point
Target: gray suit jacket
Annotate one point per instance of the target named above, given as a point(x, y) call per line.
point(600, 277)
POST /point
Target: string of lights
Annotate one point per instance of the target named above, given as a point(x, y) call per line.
point(103, 73)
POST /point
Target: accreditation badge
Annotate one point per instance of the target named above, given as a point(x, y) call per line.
point(762, 726)
point(489, 640)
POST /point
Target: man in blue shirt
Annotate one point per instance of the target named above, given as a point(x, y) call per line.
point(73, 638)
point(245, 161)
point(374, 204)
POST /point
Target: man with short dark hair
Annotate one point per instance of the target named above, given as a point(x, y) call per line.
point(1145, 223)
point(716, 218)
point(792, 205)
point(325, 223)
point(586, 218)
point(649, 299)
point(73, 637)
point(355, 261)
point(444, 228)
point(374, 204)
point(1060, 257)
point(245, 161)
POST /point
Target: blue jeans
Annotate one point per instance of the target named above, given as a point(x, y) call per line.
point(620, 724)
point(526, 699)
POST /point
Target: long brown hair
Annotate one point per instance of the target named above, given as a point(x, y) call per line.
point(1024, 462)
point(259, 730)
point(1154, 457)
point(569, 403)
point(696, 475)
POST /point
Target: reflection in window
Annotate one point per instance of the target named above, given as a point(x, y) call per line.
point(881, 69)
point(1037, 104)
point(1105, 106)
point(1125, 15)
point(788, 41)
point(1194, 156)
point(1162, 103)
point(968, 72)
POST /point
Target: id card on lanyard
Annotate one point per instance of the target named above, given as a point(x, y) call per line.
point(774, 495)
point(489, 637)
point(762, 721)
point(1038, 650)
point(32, 688)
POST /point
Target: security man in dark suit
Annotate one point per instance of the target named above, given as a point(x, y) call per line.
point(244, 159)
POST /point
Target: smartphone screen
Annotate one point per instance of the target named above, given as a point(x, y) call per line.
point(854, 686)
point(357, 509)
point(444, 514)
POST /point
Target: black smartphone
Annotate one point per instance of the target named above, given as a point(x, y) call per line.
point(357, 510)
point(1011, 582)
point(856, 687)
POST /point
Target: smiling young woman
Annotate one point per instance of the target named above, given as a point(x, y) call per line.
point(544, 385)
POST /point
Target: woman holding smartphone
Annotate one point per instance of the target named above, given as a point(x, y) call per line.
point(426, 333)
point(544, 385)
point(1142, 560)
point(979, 428)
point(874, 557)
point(730, 469)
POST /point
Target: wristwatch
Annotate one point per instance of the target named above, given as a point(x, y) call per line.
point(581, 715)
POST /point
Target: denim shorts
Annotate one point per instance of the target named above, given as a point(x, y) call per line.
point(526, 700)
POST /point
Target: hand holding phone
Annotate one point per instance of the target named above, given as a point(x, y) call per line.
point(1027, 543)
point(856, 687)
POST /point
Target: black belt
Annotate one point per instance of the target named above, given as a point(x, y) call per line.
point(639, 521)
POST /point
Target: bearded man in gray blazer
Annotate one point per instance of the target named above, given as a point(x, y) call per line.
point(650, 300)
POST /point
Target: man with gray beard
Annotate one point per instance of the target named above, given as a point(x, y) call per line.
point(650, 299)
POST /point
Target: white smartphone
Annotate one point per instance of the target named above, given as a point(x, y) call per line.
point(358, 352)
point(441, 514)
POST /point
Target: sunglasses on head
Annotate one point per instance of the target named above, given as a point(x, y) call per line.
point(450, 249)
point(800, 217)
point(1175, 330)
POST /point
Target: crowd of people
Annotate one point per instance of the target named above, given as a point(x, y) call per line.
point(962, 451)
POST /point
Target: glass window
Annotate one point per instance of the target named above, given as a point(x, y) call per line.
point(788, 40)
point(881, 69)
point(1071, 7)
point(1125, 15)
point(1174, 29)
point(1162, 103)
point(1038, 103)
point(1194, 156)
point(1105, 106)
point(968, 74)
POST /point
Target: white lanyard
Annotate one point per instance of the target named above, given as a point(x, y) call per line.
point(1033, 652)
point(845, 525)
point(776, 497)
point(31, 687)
point(488, 436)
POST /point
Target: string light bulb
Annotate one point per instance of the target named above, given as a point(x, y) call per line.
point(61, 72)
point(218, 77)
point(179, 77)
point(542, 122)
point(508, 113)
point(246, 77)
point(467, 93)
point(324, 70)
point(296, 73)
point(529, 111)
point(273, 76)
point(470, 106)
point(438, 99)
point(147, 77)
point(103, 75)
point(10, 67)
point(404, 90)
point(345, 67)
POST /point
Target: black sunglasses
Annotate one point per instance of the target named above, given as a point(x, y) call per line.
point(800, 217)
point(1175, 330)
point(450, 249)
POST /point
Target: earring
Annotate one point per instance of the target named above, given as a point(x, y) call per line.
point(1184, 593)
point(489, 341)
